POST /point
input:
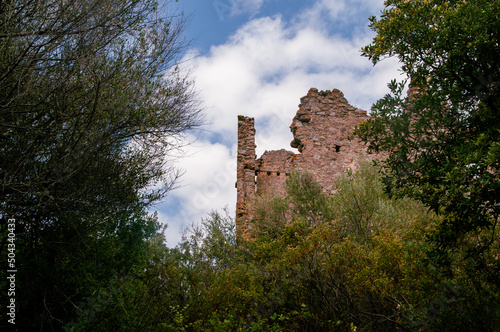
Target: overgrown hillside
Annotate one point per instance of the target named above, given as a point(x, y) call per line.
point(356, 261)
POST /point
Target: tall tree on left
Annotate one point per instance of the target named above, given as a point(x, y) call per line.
point(91, 101)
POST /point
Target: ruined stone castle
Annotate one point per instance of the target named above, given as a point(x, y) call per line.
point(321, 129)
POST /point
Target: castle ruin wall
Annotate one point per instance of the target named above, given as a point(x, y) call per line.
point(322, 130)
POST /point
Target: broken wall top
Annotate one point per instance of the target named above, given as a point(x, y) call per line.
point(321, 129)
point(325, 117)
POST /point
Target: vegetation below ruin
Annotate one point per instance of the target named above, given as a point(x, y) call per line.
point(356, 261)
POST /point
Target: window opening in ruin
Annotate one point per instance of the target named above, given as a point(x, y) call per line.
point(337, 148)
point(268, 173)
point(278, 173)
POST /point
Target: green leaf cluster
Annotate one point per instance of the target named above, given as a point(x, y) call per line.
point(442, 137)
point(91, 104)
point(358, 260)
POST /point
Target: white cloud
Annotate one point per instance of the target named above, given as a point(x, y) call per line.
point(262, 71)
point(208, 183)
point(227, 8)
point(323, 12)
point(267, 66)
point(251, 7)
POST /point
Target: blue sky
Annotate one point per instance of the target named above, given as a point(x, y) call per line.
point(258, 58)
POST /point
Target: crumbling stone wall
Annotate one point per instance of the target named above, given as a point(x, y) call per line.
point(321, 129)
point(272, 170)
point(245, 173)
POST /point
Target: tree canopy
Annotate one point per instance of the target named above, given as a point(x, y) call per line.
point(352, 261)
point(443, 138)
point(91, 102)
point(84, 98)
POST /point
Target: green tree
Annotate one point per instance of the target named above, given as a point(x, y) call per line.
point(443, 138)
point(89, 92)
point(359, 263)
point(91, 103)
point(360, 266)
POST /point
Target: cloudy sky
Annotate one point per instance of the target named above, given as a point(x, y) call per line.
point(258, 58)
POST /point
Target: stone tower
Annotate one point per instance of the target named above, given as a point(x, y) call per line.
point(245, 172)
point(321, 129)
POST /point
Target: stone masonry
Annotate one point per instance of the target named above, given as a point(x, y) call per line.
point(245, 172)
point(321, 130)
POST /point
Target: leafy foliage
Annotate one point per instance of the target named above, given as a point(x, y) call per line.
point(443, 138)
point(330, 273)
point(91, 101)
